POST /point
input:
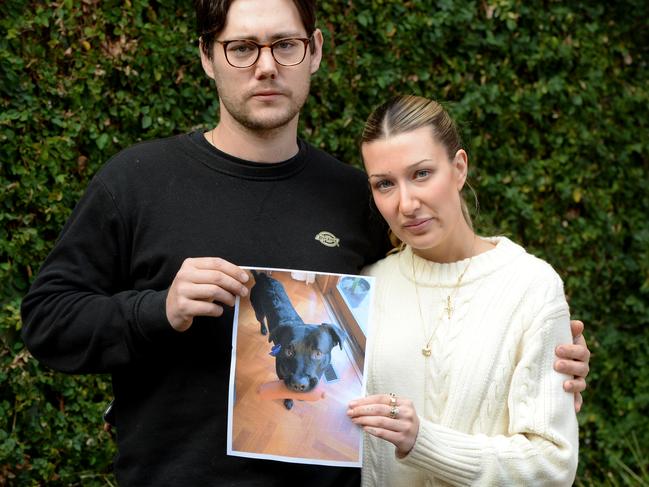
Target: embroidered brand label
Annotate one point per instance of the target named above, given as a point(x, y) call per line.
point(328, 239)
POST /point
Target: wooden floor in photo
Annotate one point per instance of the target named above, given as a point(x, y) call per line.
point(318, 429)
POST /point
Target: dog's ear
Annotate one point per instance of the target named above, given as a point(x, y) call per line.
point(337, 335)
point(280, 334)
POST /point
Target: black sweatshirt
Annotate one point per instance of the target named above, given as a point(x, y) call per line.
point(98, 303)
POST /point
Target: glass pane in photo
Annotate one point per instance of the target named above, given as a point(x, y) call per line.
point(355, 291)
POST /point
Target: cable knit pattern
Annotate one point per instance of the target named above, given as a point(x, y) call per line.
point(492, 409)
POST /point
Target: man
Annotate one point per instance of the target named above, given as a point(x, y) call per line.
point(133, 288)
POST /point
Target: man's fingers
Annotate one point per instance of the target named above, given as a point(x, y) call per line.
point(189, 277)
point(206, 309)
point(574, 385)
point(209, 293)
point(200, 287)
point(572, 367)
point(221, 265)
point(189, 309)
point(573, 352)
point(576, 327)
point(578, 401)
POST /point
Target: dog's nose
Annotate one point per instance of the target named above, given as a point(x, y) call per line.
point(301, 384)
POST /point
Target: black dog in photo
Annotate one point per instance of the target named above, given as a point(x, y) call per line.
point(302, 351)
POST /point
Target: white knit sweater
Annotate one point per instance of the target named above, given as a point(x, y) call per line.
point(492, 409)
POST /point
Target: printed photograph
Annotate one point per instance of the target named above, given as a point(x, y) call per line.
point(298, 358)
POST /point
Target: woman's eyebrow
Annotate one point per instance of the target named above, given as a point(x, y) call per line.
point(410, 166)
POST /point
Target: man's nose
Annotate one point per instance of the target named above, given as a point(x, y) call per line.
point(266, 65)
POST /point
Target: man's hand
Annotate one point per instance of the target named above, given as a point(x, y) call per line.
point(201, 287)
point(573, 359)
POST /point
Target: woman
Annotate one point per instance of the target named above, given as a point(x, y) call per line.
point(461, 385)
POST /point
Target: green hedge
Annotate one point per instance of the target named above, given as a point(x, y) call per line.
point(553, 99)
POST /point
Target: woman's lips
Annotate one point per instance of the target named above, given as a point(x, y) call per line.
point(418, 225)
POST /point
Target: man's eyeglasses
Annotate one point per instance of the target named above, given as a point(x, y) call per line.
point(244, 53)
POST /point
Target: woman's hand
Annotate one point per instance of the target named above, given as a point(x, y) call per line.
point(388, 417)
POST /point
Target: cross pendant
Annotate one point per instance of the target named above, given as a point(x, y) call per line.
point(448, 308)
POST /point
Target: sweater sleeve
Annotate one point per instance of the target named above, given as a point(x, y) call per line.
point(80, 314)
point(541, 445)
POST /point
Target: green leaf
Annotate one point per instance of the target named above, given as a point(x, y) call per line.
point(102, 140)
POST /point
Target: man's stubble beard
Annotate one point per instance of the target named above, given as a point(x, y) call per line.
point(243, 114)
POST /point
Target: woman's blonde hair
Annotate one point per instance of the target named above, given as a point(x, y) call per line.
point(404, 113)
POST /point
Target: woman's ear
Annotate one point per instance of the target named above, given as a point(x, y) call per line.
point(461, 167)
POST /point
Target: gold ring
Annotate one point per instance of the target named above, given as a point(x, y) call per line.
point(393, 399)
point(394, 411)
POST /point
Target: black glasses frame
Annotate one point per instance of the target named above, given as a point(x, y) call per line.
point(270, 45)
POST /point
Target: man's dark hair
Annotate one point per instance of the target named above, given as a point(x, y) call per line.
point(211, 15)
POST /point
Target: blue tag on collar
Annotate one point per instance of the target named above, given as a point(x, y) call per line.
point(275, 350)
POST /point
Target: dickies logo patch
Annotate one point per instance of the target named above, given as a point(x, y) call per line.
point(328, 239)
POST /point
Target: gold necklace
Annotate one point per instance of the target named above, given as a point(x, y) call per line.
point(427, 350)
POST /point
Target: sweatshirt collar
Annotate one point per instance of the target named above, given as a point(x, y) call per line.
point(228, 164)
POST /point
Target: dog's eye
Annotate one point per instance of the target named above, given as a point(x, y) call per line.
point(317, 354)
point(290, 352)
